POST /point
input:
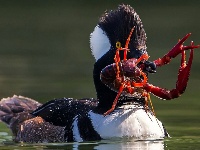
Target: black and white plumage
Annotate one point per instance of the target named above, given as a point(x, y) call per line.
point(67, 119)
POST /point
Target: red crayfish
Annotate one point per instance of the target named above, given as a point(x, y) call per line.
point(127, 76)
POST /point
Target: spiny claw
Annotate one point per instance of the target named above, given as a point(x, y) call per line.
point(184, 72)
point(183, 76)
point(178, 48)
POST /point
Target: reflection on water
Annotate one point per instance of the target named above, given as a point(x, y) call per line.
point(183, 143)
point(4, 136)
point(6, 141)
point(137, 145)
point(102, 145)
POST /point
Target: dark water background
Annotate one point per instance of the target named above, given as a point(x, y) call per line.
point(45, 54)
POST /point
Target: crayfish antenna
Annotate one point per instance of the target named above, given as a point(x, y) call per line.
point(148, 99)
point(152, 108)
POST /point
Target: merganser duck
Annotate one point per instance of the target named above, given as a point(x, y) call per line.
point(68, 119)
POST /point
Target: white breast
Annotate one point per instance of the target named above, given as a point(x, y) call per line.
point(130, 123)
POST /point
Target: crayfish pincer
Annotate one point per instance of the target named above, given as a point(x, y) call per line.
point(129, 76)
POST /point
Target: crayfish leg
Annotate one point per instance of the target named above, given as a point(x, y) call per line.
point(115, 101)
point(127, 43)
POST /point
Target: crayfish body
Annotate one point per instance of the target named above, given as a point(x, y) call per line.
point(130, 75)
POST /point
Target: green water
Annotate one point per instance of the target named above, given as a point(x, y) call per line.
point(45, 54)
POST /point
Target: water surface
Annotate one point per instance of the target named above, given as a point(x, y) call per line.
point(45, 54)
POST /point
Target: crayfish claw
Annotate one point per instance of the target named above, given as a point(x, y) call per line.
point(176, 50)
point(181, 83)
point(179, 47)
point(184, 71)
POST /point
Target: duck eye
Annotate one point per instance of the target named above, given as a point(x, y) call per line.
point(118, 44)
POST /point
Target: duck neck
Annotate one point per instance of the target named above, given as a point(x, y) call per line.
point(104, 94)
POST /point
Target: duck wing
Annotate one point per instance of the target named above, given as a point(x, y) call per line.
point(61, 112)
